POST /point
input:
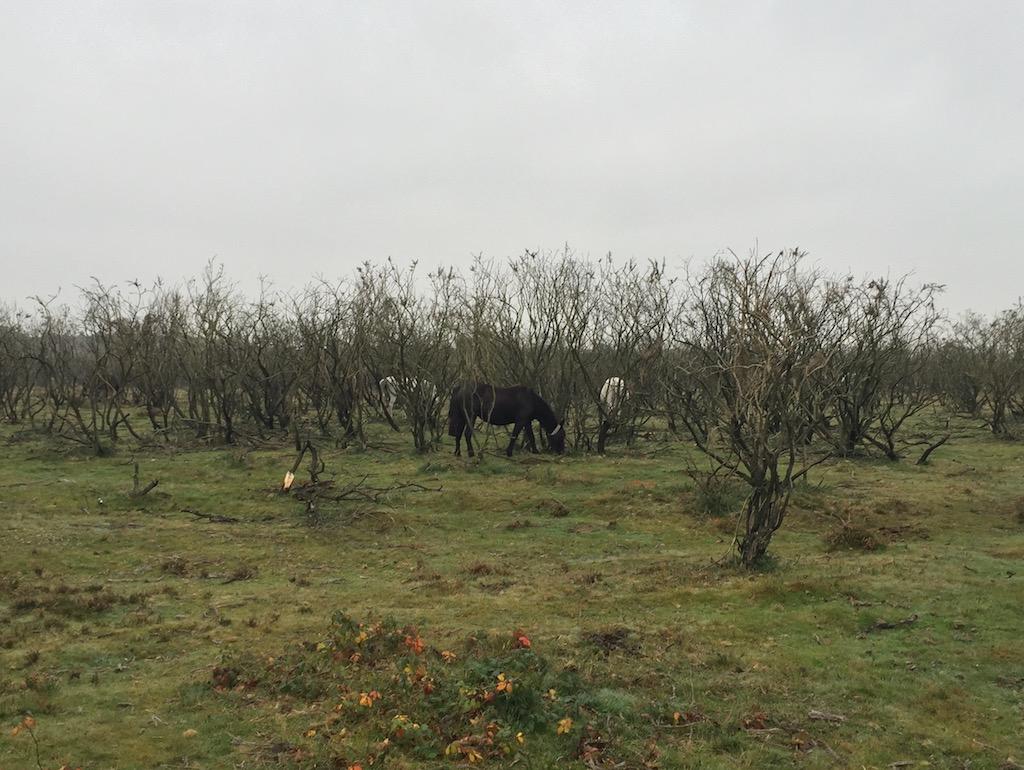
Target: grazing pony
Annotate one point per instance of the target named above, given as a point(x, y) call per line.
point(502, 406)
point(390, 391)
point(614, 394)
point(613, 397)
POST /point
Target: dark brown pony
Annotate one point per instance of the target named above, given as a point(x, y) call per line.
point(517, 405)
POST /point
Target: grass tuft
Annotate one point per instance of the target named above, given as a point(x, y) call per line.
point(852, 537)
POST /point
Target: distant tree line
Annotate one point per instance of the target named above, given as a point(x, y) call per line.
point(767, 366)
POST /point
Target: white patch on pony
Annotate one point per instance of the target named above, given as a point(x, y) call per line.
point(614, 393)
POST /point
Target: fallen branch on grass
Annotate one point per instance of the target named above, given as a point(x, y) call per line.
point(316, 491)
point(214, 517)
point(328, 490)
point(315, 494)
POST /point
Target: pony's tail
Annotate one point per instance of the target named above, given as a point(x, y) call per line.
point(455, 412)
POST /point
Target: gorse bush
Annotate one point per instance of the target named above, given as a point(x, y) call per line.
point(375, 689)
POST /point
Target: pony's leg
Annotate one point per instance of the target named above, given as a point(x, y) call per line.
point(458, 443)
point(515, 435)
point(469, 437)
point(531, 440)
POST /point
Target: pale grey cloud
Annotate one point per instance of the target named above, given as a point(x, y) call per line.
point(142, 138)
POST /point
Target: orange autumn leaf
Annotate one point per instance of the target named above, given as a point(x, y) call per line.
point(564, 726)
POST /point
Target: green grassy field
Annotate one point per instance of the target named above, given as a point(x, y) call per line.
point(139, 635)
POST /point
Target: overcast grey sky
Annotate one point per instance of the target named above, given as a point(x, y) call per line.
point(298, 138)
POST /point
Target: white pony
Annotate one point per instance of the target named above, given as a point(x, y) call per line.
point(390, 390)
point(614, 394)
point(388, 393)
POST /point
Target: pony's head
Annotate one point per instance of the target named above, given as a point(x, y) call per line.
point(556, 438)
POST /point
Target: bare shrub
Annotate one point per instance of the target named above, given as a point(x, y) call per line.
point(885, 337)
point(755, 336)
point(993, 353)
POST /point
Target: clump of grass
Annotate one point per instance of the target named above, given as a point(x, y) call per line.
point(41, 682)
point(851, 531)
point(9, 583)
point(893, 507)
point(849, 536)
point(618, 703)
point(176, 565)
point(589, 578)
point(552, 507)
point(435, 582)
point(611, 638)
point(242, 572)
